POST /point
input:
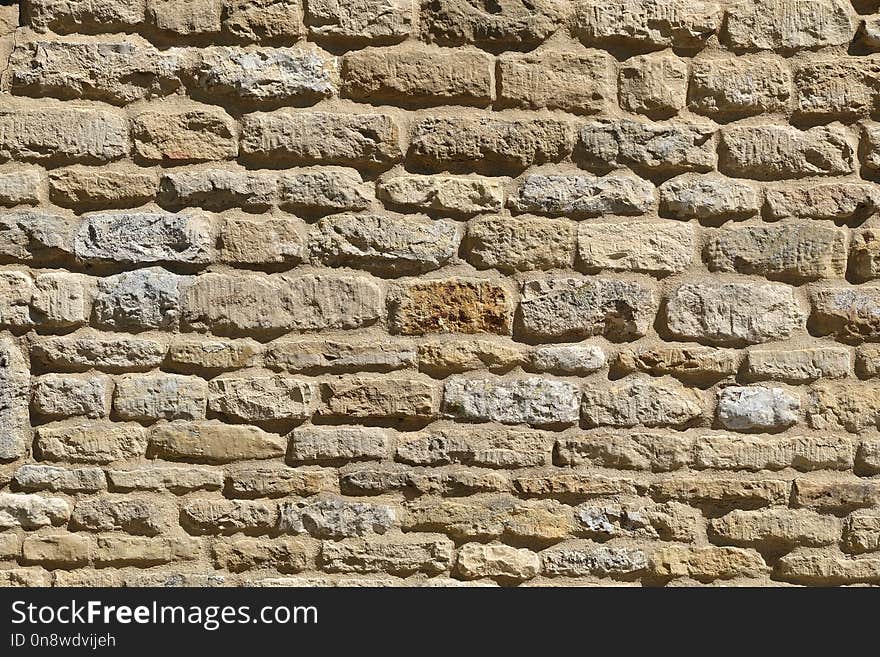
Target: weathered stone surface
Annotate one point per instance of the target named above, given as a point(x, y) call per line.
point(261, 240)
point(870, 146)
point(105, 187)
point(16, 293)
point(138, 300)
point(493, 447)
point(774, 152)
point(840, 88)
point(217, 189)
point(181, 134)
point(64, 16)
point(63, 134)
point(380, 397)
point(838, 495)
point(663, 247)
point(799, 365)
point(337, 355)
point(577, 359)
point(88, 350)
point(56, 550)
point(862, 532)
point(647, 23)
point(584, 289)
point(498, 561)
point(641, 401)
point(575, 308)
point(148, 397)
point(69, 395)
point(733, 313)
point(284, 554)
point(575, 82)
point(835, 201)
point(211, 516)
point(145, 237)
point(176, 479)
point(739, 86)
point(708, 197)
point(61, 300)
point(753, 453)
point(68, 480)
point(707, 563)
point(98, 442)
point(583, 558)
point(448, 355)
point(685, 362)
point(325, 189)
point(865, 255)
point(653, 84)
point(644, 146)
point(359, 140)
point(271, 481)
point(488, 145)
point(20, 186)
point(787, 252)
point(775, 529)
point(15, 433)
point(443, 194)
point(630, 450)
point(827, 569)
point(757, 408)
point(257, 303)
point(410, 76)
point(788, 25)
point(32, 511)
point(532, 400)
point(384, 244)
point(316, 443)
point(132, 515)
point(360, 21)
point(581, 195)
point(267, 76)
point(508, 25)
point(520, 243)
point(396, 554)
point(486, 518)
point(750, 493)
point(468, 305)
point(868, 361)
point(851, 314)
point(117, 71)
point(333, 517)
point(213, 442)
point(842, 405)
point(259, 397)
point(262, 20)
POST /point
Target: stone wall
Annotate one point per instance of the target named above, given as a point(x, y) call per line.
point(472, 292)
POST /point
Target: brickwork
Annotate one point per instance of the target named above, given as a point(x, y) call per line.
point(453, 292)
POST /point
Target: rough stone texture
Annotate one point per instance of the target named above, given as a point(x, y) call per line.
point(665, 247)
point(647, 23)
point(646, 147)
point(739, 86)
point(733, 313)
point(580, 195)
point(573, 308)
point(439, 292)
point(776, 152)
point(578, 83)
point(783, 252)
point(708, 197)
